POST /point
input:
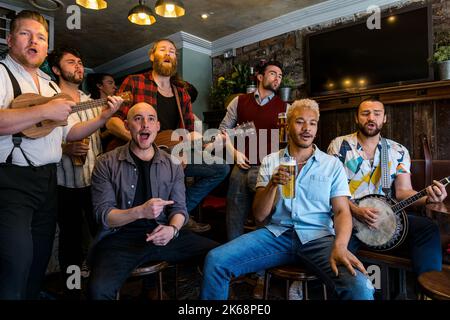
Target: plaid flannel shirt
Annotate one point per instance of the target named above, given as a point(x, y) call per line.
point(144, 89)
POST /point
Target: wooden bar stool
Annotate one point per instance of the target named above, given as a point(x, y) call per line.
point(147, 269)
point(435, 285)
point(291, 273)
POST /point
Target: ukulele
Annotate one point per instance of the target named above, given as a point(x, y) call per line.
point(43, 128)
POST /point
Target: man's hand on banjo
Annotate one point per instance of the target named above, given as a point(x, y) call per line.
point(367, 215)
point(436, 192)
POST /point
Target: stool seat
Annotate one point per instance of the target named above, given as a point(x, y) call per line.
point(292, 273)
point(435, 284)
point(149, 268)
point(146, 269)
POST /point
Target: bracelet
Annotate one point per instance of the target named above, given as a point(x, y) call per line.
point(175, 231)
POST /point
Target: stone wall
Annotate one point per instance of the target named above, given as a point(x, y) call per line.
point(288, 47)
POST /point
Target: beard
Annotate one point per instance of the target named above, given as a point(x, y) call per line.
point(270, 86)
point(163, 70)
point(293, 138)
point(25, 62)
point(370, 133)
point(71, 77)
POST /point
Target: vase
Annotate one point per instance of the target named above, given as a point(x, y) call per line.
point(444, 70)
point(285, 94)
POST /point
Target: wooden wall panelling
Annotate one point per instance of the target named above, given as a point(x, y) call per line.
point(327, 129)
point(442, 137)
point(397, 127)
point(423, 114)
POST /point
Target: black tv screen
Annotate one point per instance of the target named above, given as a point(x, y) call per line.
point(354, 56)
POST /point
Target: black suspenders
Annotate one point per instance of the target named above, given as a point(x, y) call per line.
point(16, 138)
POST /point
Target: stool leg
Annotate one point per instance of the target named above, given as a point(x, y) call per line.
point(266, 285)
point(324, 291)
point(287, 289)
point(305, 290)
point(160, 286)
point(176, 281)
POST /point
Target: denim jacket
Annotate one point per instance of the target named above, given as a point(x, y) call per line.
point(114, 181)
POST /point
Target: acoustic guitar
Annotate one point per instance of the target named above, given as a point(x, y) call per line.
point(164, 138)
point(392, 222)
point(43, 128)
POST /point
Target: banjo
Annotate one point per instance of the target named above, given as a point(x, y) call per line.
point(392, 225)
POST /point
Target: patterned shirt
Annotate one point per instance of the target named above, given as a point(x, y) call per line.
point(144, 89)
point(364, 178)
point(309, 213)
point(70, 175)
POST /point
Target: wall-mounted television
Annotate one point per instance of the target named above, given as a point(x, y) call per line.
point(353, 56)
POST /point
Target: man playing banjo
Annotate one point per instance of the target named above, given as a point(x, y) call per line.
point(360, 153)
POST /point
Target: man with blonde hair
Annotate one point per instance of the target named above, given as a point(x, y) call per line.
point(301, 229)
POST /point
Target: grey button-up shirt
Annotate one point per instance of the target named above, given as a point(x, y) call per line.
point(114, 181)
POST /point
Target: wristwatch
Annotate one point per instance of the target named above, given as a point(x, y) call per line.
point(175, 231)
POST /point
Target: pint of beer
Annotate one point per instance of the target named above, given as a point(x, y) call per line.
point(288, 190)
point(282, 127)
point(80, 160)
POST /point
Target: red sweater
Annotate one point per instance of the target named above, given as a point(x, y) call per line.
point(264, 117)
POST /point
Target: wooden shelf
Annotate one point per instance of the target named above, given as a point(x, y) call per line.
point(389, 95)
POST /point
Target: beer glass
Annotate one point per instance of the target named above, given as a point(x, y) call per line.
point(80, 160)
point(282, 128)
point(288, 189)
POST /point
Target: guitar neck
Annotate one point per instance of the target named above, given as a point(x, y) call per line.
point(409, 201)
point(89, 105)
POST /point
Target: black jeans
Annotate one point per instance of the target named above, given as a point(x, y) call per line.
point(74, 204)
point(118, 254)
point(27, 228)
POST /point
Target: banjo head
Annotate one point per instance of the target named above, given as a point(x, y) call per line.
point(390, 227)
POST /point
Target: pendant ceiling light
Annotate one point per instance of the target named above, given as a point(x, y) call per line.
point(93, 4)
point(169, 8)
point(141, 14)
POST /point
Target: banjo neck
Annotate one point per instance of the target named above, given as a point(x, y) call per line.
point(409, 201)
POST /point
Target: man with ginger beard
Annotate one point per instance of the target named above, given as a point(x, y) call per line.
point(360, 153)
point(160, 88)
point(138, 195)
point(28, 166)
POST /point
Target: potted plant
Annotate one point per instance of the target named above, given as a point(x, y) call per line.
point(286, 86)
point(441, 55)
point(227, 87)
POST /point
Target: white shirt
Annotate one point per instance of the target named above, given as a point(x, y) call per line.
point(69, 175)
point(39, 151)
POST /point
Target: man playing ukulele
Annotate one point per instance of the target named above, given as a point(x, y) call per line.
point(28, 166)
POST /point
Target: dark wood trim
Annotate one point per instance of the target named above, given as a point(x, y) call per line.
point(426, 91)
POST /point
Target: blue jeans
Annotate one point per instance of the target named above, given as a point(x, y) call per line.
point(207, 177)
point(422, 241)
point(260, 249)
point(117, 255)
point(240, 195)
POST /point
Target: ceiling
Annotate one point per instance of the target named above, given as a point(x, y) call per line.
point(107, 34)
